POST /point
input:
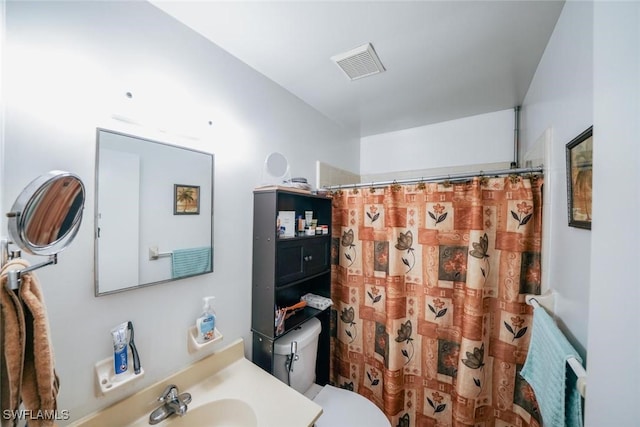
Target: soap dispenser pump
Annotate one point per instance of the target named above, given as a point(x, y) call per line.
point(206, 323)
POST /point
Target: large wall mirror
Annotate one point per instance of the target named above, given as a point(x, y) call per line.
point(154, 212)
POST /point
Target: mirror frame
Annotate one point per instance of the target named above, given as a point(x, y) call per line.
point(97, 291)
point(27, 200)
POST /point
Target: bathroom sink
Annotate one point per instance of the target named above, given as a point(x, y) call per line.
point(227, 390)
point(218, 413)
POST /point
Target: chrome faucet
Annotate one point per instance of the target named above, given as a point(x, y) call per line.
point(173, 403)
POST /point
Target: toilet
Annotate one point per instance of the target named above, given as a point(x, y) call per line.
point(339, 406)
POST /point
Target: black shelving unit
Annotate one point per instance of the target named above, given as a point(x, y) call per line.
point(284, 269)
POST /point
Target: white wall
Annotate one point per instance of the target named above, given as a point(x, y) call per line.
point(560, 98)
point(614, 341)
point(590, 75)
point(66, 69)
point(485, 138)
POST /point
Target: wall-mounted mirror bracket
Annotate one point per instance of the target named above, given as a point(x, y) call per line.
point(14, 276)
point(6, 255)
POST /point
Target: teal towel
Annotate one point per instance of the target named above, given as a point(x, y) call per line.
point(546, 372)
point(187, 262)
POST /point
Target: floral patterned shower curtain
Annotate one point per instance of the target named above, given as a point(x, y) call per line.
point(428, 288)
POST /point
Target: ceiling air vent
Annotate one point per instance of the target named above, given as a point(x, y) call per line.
point(359, 62)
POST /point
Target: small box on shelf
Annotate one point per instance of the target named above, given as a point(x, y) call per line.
point(286, 224)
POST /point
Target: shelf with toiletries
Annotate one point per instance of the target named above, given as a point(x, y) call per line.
point(124, 366)
point(289, 295)
point(288, 264)
point(192, 340)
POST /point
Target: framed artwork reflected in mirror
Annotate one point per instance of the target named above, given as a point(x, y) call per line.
point(186, 199)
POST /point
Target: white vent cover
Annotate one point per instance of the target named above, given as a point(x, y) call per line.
point(359, 62)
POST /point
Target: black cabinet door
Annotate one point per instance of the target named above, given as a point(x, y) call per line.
point(296, 259)
point(316, 256)
point(289, 261)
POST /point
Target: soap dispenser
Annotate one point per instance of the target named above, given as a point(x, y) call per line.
point(206, 323)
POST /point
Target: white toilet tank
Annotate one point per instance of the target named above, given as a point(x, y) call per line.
point(303, 374)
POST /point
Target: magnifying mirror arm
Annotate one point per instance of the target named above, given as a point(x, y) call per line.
point(15, 275)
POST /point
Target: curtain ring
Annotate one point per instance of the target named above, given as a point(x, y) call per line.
point(533, 177)
point(483, 179)
point(421, 185)
point(447, 182)
point(372, 190)
point(395, 186)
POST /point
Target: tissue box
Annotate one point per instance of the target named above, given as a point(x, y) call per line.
point(286, 224)
point(316, 301)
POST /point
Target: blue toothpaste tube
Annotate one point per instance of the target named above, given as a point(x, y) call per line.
point(120, 343)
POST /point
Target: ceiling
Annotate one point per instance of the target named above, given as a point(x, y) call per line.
point(444, 60)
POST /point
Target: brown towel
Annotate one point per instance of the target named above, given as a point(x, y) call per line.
point(13, 335)
point(28, 352)
point(40, 382)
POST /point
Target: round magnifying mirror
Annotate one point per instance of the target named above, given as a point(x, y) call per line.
point(276, 169)
point(46, 216)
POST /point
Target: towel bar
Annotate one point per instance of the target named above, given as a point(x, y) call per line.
point(546, 300)
point(577, 367)
point(154, 254)
point(581, 373)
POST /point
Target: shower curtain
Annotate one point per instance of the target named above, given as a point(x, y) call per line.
point(429, 320)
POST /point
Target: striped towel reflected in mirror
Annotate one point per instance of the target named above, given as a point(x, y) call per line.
point(191, 261)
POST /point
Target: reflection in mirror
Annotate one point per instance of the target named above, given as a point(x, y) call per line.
point(143, 236)
point(46, 216)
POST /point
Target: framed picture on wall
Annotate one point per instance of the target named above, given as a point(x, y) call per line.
point(186, 199)
point(579, 172)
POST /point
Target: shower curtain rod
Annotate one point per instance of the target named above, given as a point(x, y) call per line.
point(444, 177)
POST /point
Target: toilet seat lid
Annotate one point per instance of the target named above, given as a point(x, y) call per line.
point(345, 408)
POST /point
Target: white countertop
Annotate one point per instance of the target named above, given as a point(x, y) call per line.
point(226, 374)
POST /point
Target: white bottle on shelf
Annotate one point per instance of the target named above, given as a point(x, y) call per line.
point(206, 323)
